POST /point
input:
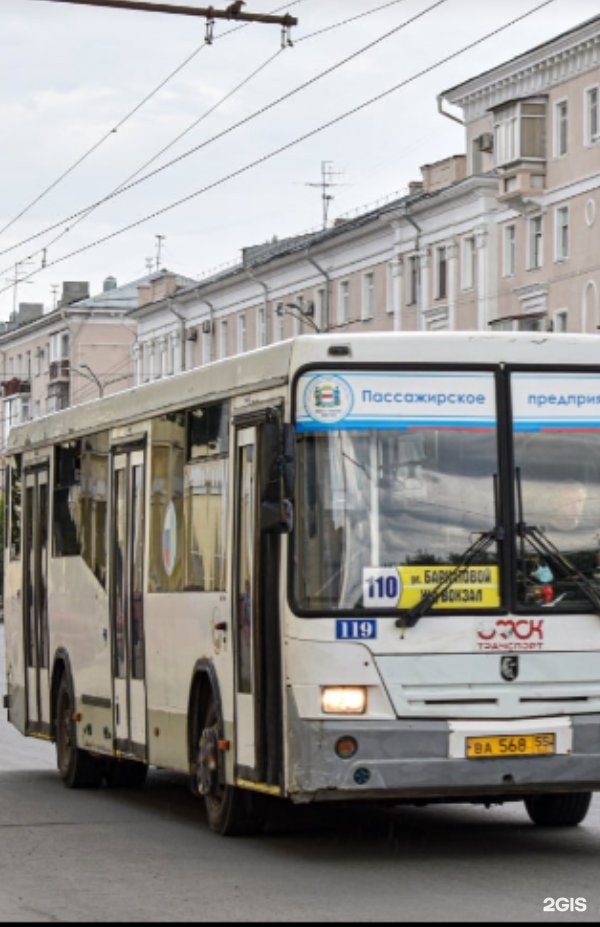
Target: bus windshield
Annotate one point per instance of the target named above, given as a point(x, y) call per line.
point(386, 514)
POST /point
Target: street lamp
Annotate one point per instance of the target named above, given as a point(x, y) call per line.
point(86, 371)
point(299, 311)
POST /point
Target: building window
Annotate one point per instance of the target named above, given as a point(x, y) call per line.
point(278, 319)
point(535, 244)
point(519, 132)
point(441, 273)
point(368, 297)
point(320, 306)
point(391, 270)
point(467, 263)
point(561, 222)
point(561, 128)
point(241, 334)
point(223, 337)
point(344, 303)
point(262, 326)
point(559, 323)
point(413, 280)
point(509, 256)
point(591, 116)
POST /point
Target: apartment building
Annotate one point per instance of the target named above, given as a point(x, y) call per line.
point(534, 122)
point(503, 235)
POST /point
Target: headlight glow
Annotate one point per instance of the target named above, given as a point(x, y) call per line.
point(344, 700)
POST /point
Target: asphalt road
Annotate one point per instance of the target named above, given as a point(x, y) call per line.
point(109, 856)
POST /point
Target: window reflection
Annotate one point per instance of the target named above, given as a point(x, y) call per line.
point(388, 499)
point(558, 496)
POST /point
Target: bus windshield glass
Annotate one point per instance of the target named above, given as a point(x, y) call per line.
point(557, 490)
point(396, 480)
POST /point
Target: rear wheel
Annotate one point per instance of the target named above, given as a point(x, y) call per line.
point(560, 810)
point(78, 769)
point(230, 811)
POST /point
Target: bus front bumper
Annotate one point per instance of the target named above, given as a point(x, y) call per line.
point(413, 760)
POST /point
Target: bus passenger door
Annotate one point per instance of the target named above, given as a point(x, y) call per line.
point(257, 635)
point(127, 602)
point(35, 597)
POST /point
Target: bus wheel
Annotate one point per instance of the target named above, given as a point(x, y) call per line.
point(78, 769)
point(561, 810)
point(230, 811)
point(125, 774)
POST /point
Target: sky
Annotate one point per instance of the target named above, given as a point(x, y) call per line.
point(93, 99)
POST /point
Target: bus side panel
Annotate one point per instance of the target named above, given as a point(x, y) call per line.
point(189, 618)
point(15, 650)
point(79, 627)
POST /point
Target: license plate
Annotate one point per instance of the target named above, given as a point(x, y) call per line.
point(479, 748)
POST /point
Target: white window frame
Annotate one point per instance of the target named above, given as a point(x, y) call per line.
point(467, 262)
point(561, 233)
point(535, 242)
point(390, 274)
point(561, 127)
point(591, 115)
point(509, 250)
point(319, 300)
point(560, 320)
point(441, 272)
point(223, 338)
point(278, 320)
point(367, 310)
point(343, 307)
point(261, 325)
point(412, 290)
point(242, 333)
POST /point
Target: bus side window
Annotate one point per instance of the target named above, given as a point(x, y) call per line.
point(67, 489)
point(13, 516)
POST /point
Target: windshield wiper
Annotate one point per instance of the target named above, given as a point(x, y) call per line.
point(410, 618)
point(543, 545)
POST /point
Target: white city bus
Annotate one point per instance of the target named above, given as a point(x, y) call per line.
point(357, 567)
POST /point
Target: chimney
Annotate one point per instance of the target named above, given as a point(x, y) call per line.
point(110, 283)
point(73, 291)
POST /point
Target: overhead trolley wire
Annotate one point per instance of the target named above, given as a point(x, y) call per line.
point(120, 123)
point(186, 154)
point(301, 138)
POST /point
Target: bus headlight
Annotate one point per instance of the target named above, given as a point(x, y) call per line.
point(344, 700)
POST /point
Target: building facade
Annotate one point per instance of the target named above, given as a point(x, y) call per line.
point(504, 235)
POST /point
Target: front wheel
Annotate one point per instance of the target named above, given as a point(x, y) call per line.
point(561, 810)
point(230, 811)
point(78, 769)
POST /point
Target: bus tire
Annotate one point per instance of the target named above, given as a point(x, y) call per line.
point(566, 809)
point(125, 774)
point(78, 769)
point(230, 811)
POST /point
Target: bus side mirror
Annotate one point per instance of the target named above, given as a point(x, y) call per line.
point(277, 476)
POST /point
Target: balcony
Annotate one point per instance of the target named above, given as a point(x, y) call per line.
point(520, 185)
point(15, 387)
point(60, 371)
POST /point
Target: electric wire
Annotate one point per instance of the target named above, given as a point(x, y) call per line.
point(301, 138)
point(122, 122)
point(229, 129)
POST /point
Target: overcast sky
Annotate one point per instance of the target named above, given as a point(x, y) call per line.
point(70, 75)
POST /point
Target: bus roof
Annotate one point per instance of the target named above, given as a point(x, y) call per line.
point(271, 366)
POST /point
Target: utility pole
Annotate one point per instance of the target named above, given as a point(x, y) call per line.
point(325, 183)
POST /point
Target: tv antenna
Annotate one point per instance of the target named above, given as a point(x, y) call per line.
point(325, 183)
